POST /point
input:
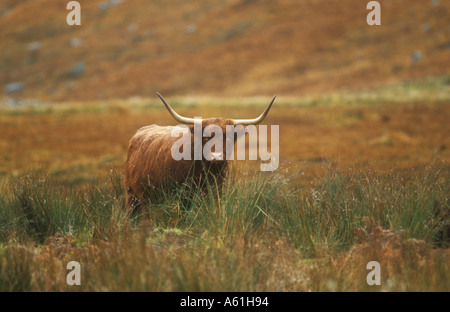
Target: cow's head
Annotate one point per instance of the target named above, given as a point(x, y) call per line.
point(216, 122)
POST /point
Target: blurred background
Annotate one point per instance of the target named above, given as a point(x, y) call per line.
point(72, 96)
point(129, 48)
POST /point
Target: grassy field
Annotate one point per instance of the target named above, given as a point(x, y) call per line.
point(363, 177)
point(263, 233)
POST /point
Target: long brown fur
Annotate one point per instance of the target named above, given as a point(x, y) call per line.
point(150, 170)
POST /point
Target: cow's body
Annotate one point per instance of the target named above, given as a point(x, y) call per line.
point(151, 170)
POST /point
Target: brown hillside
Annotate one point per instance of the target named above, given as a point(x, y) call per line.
point(226, 47)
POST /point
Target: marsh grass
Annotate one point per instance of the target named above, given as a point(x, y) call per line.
point(36, 206)
point(260, 232)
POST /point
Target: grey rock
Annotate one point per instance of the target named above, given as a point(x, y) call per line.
point(78, 69)
point(14, 87)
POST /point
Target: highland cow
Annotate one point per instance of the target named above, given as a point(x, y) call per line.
point(151, 169)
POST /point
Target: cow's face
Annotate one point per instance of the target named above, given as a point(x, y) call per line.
point(213, 129)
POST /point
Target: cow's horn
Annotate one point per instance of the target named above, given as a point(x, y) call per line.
point(175, 115)
point(256, 120)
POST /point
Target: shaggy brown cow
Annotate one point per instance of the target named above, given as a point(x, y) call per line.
point(151, 170)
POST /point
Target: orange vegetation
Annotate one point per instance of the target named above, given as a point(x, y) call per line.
point(382, 136)
point(232, 47)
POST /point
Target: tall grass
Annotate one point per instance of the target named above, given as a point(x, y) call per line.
point(343, 207)
point(260, 231)
point(35, 206)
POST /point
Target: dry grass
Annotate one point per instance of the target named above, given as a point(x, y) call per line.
point(259, 265)
point(78, 141)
